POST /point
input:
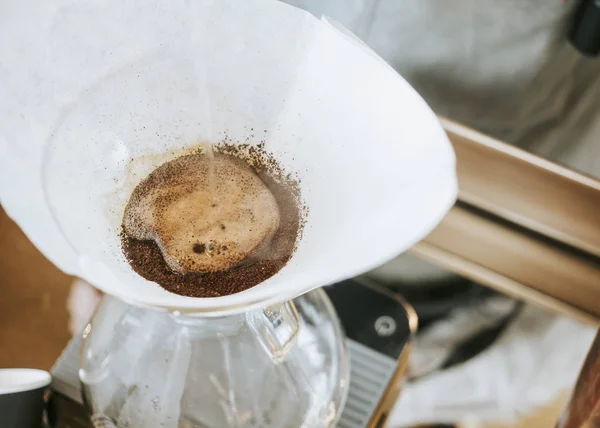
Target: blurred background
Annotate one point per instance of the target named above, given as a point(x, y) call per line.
point(34, 322)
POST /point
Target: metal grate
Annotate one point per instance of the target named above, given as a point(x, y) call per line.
point(370, 374)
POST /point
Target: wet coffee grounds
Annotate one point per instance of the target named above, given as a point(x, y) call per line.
point(146, 259)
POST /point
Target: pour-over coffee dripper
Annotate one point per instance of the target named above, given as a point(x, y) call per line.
point(373, 184)
point(376, 174)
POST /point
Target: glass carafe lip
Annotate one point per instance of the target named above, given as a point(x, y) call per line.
point(209, 313)
point(221, 322)
point(205, 326)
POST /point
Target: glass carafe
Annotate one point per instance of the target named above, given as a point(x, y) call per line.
point(279, 366)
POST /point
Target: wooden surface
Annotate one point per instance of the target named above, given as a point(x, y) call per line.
point(583, 410)
point(33, 293)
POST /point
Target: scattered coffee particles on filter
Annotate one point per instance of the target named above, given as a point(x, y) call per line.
point(202, 236)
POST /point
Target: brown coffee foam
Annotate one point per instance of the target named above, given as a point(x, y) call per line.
point(145, 257)
point(203, 222)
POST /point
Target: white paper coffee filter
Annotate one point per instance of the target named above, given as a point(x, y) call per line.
point(375, 167)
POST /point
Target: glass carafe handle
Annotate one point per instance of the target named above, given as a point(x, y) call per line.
point(276, 327)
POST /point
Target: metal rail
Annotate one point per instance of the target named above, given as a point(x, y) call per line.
point(523, 225)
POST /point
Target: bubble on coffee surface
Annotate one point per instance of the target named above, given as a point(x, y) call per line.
point(202, 222)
